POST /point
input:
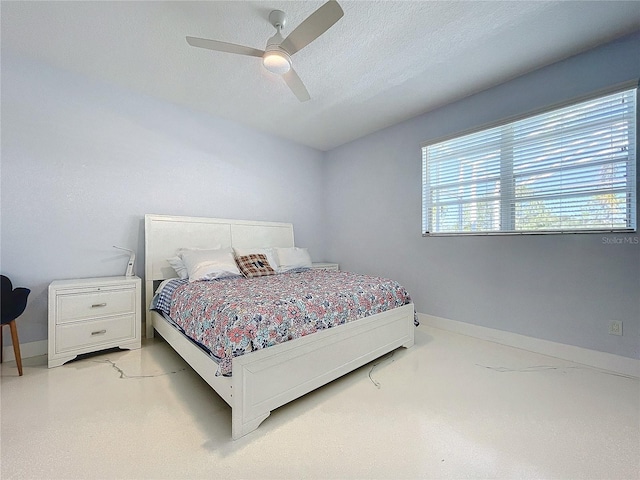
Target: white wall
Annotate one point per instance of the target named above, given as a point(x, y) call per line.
point(82, 162)
point(560, 288)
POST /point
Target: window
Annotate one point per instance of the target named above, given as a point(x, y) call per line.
point(571, 169)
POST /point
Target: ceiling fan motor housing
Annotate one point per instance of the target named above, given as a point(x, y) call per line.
point(276, 59)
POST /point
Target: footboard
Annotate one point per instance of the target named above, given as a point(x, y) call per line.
point(269, 378)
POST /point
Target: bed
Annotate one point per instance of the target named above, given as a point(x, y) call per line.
point(264, 379)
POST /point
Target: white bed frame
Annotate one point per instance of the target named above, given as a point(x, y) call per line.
point(269, 378)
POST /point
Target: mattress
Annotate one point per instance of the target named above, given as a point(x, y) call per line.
point(234, 316)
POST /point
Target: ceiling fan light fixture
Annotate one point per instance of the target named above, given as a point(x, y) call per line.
point(277, 62)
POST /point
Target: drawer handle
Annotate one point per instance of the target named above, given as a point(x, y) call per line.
point(99, 332)
point(96, 305)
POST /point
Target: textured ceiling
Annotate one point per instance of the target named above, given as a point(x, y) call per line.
point(383, 62)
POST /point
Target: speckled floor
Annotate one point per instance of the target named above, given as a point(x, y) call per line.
point(450, 407)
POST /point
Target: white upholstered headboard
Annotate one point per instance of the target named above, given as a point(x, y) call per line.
point(164, 234)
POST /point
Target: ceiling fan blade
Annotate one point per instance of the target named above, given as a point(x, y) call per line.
point(315, 25)
point(295, 84)
point(224, 47)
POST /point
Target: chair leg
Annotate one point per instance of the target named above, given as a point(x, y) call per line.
point(16, 345)
point(1, 343)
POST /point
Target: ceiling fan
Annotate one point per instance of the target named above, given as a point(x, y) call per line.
point(276, 57)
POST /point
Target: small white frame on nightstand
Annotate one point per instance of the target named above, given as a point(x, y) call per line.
point(91, 314)
point(325, 266)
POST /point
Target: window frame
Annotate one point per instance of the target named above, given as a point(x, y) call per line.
point(507, 214)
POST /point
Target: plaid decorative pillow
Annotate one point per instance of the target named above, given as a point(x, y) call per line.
point(254, 265)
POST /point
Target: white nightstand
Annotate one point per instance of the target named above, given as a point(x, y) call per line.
point(91, 314)
point(325, 266)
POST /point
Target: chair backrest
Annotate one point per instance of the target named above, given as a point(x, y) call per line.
point(7, 287)
point(12, 302)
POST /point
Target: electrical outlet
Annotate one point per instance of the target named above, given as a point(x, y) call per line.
point(615, 327)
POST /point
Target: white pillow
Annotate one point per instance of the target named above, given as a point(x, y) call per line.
point(178, 265)
point(293, 257)
point(209, 264)
point(270, 253)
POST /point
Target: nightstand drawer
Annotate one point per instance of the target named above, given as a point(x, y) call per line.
point(88, 334)
point(78, 306)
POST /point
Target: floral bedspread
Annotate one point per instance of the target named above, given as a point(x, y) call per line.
point(234, 316)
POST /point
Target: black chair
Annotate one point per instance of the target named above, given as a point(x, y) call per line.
point(12, 304)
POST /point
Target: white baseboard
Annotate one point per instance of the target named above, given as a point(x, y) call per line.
point(31, 349)
point(584, 356)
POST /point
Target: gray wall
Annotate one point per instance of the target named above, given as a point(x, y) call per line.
point(82, 162)
point(560, 288)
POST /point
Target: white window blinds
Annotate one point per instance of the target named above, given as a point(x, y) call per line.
point(572, 169)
